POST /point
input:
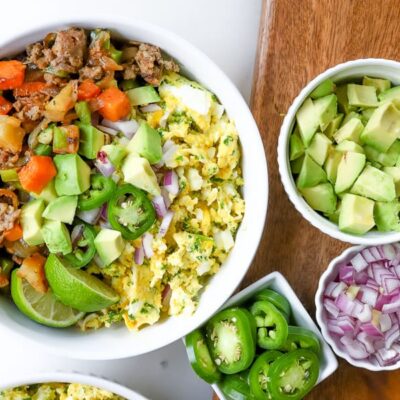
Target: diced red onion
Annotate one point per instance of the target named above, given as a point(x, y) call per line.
point(382, 300)
point(171, 182)
point(345, 304)
point(346, 274)
point(376, 253)
point(389, 251)
point(358, 309)
point(391, 336)
point(106, 129)
point(393, 306)
point(147, 242)
point(386, 357)
point(372, 284)
point(128, 127)
point(103, 164)
point(390, 284)
point(346, 323)
point(371, 329)
point(359, 263)
point(105, 224)
point(361, 278)
point(150, 108)
point(163, 119)
point(165, 195)
point(367, 341)
point(385, 323)
point(367, 255)
point(355, 348)
point(366, 314)
point(76, 234)
point(139, 255)
point(368, 296)
point(98, 261)
point(91, 216)
point(165, 223)
point(169, 150)
point(159, 206)
point(334, 328)
point(331, 307)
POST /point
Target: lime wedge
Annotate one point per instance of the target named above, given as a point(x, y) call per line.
point(77, 288)
point(42, 308)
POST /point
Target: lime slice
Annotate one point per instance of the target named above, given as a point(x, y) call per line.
point(77, 288)
point(42, 308)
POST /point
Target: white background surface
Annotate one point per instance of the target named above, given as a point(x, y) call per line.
point(226, 30)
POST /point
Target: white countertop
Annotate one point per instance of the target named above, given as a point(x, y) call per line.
point(226, 30)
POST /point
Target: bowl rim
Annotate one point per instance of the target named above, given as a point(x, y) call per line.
point(73, 377)
point(323, 281)
point(220, 79)
point(315, 219)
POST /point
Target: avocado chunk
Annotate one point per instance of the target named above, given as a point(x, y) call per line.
point(326, 110)
point(366, 115)
point(388, 159)
point(146, 143)
point(61, 209)
point(383, 128)
point(296, 164)
point(351, 115)
point(311, 174)
point(31, 222)
point(333, 126)
point(48, 193)
point(115, 153)
point(343, 101)
point(109, 245)
point(362, 96)
point(375, 184)
point(379, 84)
point(56, 237)
point(323, 89)
point(356, 214)
point(73, 174)
point(319, 148)
point(90, 141)
point(386, 216)
point(138, 172)
point(307, 121)
point(296, 146)
point(331, 165)
point(320, 197)
point(349, 131)
point(349, 169)
point(334, 217)
point(348, 145)
point(143, 95)
point(394, 172)
point(390, 95)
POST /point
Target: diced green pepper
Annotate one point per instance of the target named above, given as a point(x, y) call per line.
point(43, 150)
point(83, 111)
point(9, 175)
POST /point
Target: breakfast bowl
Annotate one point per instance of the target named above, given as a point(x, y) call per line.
point(351, 71)
point(299, 318)
point(117, 342)
point(355, 312)
point(97, 383)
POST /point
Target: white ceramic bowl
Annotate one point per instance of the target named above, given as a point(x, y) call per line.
point(349, 70)
point(118, 342)
point(321, 314)
point(64, 377)
point(276, 281)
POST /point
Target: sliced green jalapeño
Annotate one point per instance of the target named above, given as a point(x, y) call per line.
point(276, 299)
point(301, 338)
point(200, 358)
point(230, 339)
point(84, 249)
point(272, 328)
point(258, 376)
point(293, 375)
point(235, 387)
point(101, 190)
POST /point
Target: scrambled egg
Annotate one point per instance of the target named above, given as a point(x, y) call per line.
point(204, 150)
point(58, 391)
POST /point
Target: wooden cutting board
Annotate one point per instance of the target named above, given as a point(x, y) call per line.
point(298, 40)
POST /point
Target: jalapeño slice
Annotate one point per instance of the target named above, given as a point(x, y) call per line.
point(83, 250)
point(258, 376)
point(130, 212)
point(272, 328)
point(230, 339)
point(301, 338)
point(101, 191)
point(200, 358)
point(293, 375)
point(276, 299)
point(235, 387)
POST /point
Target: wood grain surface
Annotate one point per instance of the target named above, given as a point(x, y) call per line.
point(298, 40)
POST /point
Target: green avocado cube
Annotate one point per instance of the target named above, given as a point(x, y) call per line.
point(386, 216)
point(146, 143)
point(109, 245)
point(388, 159)
point(349, 131)
point(307, 121)
point(333, 126)
point(296, 147)
point(296, 164)
point(391, 95)
point(48, 193)
point(311, 174)
point(366, 115)
point(349, 169)
point(31, 222)
point(318, 148)
point(375, 184)
point(379, 84)
point(323, 89)
point(361, 96)
point(326, 110)
point(394, 172)
point(143, 95)
point(334, 217)
point(62, 209)
point(90, 140)
point(115, 153)
point(73, 174)
point(356, 214)
point(348, 145)
point(331, 165)
point(56, 237)
point(343, 101)
point(351, 115)
point(383, 128)
point(321, 197)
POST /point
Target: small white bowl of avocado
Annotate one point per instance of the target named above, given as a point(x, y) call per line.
point(339, 152)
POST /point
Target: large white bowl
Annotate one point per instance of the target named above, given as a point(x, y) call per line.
point(70, 377)
point(379, 68)
point(329, 275)
point(118, 342)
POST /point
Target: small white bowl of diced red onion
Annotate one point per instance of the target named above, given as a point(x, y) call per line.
point(358, 306)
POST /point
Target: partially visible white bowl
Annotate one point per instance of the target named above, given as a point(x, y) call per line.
point(71, 377)
point(379, 68)
point(118, 342)
point(329, 275)
point(277, 282)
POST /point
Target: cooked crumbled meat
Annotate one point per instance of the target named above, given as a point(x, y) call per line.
point(131, 71)
point(54, 80)
point(39, 55)
point(31, 107)
point(7, 160)
point(151, 63)
point(8, 216)
point(95, 73)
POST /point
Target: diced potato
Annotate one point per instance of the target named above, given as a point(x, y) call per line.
point(11, 134)
point(62, 103)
